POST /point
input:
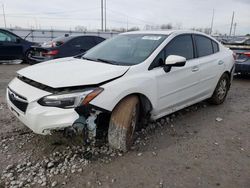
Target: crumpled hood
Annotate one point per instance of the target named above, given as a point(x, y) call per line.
point(68, 72)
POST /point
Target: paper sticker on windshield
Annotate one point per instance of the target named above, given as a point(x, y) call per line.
point(151, 38)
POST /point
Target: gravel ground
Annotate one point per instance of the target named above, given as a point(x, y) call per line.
point(200, 146)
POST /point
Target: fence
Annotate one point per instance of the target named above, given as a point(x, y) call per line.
point(41, 35)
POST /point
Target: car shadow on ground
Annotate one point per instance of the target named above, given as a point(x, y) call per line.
point(242, 77)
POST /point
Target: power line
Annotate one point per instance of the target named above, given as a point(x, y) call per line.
point(59, 12)
point(127, 16)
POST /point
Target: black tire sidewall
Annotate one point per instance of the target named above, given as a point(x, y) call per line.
point(215, 99)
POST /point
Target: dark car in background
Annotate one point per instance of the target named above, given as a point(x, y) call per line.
point(239, 41)
point(13, 47)
point(60, 47)
point(242, 63)
point(241, 48)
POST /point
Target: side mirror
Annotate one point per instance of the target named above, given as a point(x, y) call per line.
point(174, 61)
point(18, 40)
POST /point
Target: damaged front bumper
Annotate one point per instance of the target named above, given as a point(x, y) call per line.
point(43, 119)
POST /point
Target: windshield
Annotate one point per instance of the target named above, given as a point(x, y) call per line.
point(127, 49)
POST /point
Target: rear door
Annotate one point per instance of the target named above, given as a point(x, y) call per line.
point(210, 64)
point(10, 47)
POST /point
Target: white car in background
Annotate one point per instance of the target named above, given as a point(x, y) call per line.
point(121, 81)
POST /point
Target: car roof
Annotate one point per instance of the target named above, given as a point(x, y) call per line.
point(67, 38)
point(166, 32)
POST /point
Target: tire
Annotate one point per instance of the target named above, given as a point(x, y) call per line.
point(27, 60)
point(221, 90)
point(123, 122)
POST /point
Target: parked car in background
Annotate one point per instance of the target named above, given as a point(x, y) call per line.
point(238, 41)
point(62, 47)
point(241, 48)
point(242, 62)
point(122, 81)
point(13, 47)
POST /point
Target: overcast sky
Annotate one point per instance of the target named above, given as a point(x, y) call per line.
point(61, 14)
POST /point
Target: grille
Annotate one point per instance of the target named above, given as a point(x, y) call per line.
point(19, 101)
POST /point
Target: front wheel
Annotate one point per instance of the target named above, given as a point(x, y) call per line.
point(221, 90)
point(123, 122)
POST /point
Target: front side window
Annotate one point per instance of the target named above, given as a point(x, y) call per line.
point(182, 46)
point(203, 45)
point(128, 49)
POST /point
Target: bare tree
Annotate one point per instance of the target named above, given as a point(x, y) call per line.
point(134, 29)
point(166, 26)
point(80, 28)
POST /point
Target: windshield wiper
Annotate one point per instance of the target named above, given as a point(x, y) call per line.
point(102, 60)
point(106, 61)
point(88, 59)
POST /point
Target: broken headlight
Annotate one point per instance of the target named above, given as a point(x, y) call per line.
point(70, 100)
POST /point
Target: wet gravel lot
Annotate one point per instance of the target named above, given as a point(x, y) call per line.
point(201, 146)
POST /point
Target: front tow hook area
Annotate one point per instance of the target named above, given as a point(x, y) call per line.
point(84, 127)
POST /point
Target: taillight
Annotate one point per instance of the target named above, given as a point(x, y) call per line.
point(51, 53)
point(247, 54)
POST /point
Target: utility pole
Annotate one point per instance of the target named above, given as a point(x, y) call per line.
point(105, 15)
point(235, 25)
point(127, 24)
point(231, 27)
point(4, 15)
point(212, 24)
point(102, 14)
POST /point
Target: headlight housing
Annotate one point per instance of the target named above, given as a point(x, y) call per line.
point(70, 100)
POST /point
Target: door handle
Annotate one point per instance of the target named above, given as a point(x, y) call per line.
point(220, 62)
point(195, 68)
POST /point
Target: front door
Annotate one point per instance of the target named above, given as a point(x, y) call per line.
point(10, 48)
point(180, 86)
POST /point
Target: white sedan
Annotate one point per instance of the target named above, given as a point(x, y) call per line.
point(120, 82)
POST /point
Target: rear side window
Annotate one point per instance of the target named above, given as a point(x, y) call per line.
point(215, 46)
point(87, 42)
point(247, 42)
point(204, 45)
point(182, 46)
point(99, 40)
point(83, 42)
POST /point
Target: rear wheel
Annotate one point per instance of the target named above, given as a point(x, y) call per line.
point(123, 122)
point(221, 90)
point(26, 57)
